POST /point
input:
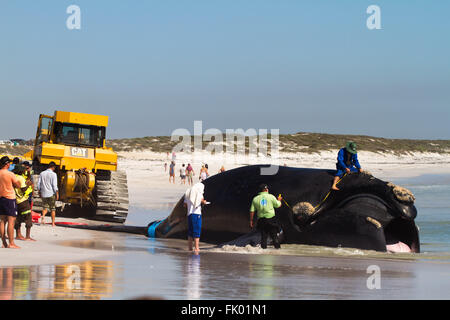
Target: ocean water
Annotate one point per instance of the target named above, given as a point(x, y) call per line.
point(432, 194)
point(162, 268)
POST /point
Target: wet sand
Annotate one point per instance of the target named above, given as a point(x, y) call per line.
point(47, 249)
point(163, 269)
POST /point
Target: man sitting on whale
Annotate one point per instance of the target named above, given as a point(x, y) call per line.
point(347, 161)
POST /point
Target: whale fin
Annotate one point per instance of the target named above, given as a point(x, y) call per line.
point(252, 238)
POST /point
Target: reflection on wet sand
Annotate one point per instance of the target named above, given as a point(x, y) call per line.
point(193, 278)
point(6, 280)
point(165, 269)
point(262, 279)
point(91, 280)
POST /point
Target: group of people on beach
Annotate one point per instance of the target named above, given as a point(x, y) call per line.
point(16, 198)
point(187, 172)
point(263, 204)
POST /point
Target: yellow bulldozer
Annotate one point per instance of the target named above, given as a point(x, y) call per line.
point(88, 179)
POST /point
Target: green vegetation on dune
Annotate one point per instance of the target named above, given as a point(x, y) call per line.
point(298, 142)
point(302, 142)
point(314, 142)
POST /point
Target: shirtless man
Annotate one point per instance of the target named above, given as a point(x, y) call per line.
point(8, 206)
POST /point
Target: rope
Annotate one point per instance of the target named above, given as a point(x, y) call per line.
point(329, 192)
point(323, 200)
point(286, 204)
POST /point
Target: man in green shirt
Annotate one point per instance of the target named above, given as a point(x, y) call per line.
point(264, 204)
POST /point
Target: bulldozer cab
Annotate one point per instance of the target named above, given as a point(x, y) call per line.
point(51, 130)
point(79, 135)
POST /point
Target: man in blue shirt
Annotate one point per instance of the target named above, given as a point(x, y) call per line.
point(347, 161)
point(48, 190)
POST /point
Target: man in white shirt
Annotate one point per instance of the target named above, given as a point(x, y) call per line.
point(48, 190)
point(193, 200)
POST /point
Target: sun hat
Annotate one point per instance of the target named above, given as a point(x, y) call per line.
point(351, 147)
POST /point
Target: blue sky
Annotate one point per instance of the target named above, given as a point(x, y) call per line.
point(155, 66)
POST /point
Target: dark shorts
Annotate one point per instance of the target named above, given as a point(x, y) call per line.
point(8, 207)
point(194, 225)
point(24, 215)
point(49, 203)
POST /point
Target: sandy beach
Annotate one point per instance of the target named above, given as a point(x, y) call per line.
point(149, 189)
point(47, 248)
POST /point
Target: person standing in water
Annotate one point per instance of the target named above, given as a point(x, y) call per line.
point(193, 201)
point(264, 204)
point(347, 161)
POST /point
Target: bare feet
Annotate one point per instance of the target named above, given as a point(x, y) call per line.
point(20, 238)
point(13, 246)
point(29, 239)
point(334, 188)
